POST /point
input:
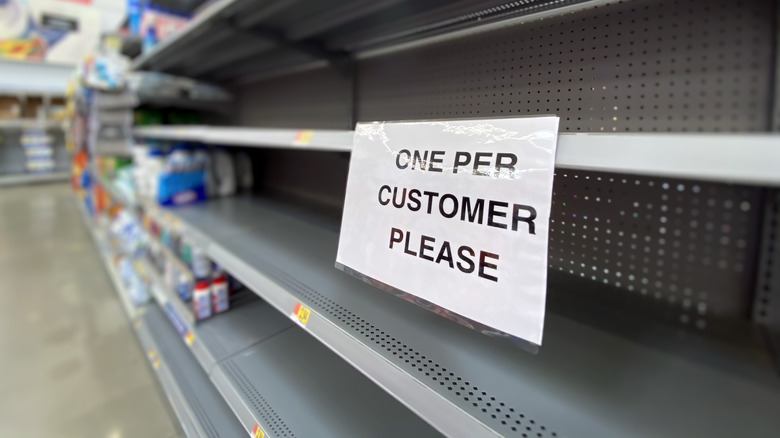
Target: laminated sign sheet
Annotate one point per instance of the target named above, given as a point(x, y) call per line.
point(454, 216)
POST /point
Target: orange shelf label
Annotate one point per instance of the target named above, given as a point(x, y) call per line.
point(303, 137)
point(301, 312)
point(257, 432)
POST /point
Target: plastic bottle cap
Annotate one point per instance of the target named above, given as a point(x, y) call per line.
point(202, 284)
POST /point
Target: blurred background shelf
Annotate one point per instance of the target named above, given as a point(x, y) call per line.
point(33, 178)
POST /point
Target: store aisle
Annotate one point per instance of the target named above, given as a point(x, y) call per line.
point(70, 364)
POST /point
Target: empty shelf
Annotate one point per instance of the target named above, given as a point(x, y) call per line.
point(582, 383)
point(272, 374)
point(727, 158)
point(199, 406)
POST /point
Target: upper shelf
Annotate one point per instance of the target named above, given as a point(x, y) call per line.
point(235, 39)
point(34, 77)
point(751, 159)
point(29, 123)
point(321, 139)
point(582, 383)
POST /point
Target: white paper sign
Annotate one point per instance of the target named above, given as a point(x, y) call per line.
point(456, 213)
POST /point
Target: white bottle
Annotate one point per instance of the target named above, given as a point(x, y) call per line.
point(201, 299)
point(201, 264)
point(224, 173)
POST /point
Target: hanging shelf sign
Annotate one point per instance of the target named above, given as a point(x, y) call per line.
point(454, 216)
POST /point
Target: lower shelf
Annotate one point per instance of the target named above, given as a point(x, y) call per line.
point(201, 410)
point(585, 381)
point(257, 366)
point(199, 407)
point(272, 374)
point(33, 178)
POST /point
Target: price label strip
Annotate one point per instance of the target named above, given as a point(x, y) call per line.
point(257, 431)
point(154, 358)
point(302, 138)
point(300, 314)
point(189, 338)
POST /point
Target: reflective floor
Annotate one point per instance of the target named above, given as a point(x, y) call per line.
point(70, 365)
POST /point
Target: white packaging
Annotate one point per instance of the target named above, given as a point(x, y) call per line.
point(224, 173)
point(201, 264)
point(220, 299)
point(201, 299)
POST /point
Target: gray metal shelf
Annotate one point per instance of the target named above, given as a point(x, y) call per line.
point(29, 123)
point(274, 375)
point(584, 382)
point(107, 255)
point(112, 190)
point(247, 41)
point(198, 405)
point(33, 178)
point(130, 99)
point(332, 140)
point(729, 158)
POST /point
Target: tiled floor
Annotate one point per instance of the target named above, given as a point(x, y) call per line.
point(70, 365)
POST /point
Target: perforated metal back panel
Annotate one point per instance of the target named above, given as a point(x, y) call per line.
point(315, 99)
point(767, 308)
point(680, 251)
point(643, 65)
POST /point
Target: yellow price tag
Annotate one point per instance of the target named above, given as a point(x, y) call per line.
point(156, 363)
point(189, 338)
point(257, 432)
point(303, 137)
point(152, 353)
point(302, 313)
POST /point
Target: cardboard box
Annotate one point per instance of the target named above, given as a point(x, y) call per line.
point(10, 108)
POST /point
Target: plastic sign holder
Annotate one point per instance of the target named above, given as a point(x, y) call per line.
point(454, 216)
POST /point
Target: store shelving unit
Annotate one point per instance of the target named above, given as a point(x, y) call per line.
point(34, 77)
point(308, 139)
point(198, 406)
point(661, 295)
point(115, 193)
point(743, 159)
point(244, 353)
point(424, 360)
point(32, 178)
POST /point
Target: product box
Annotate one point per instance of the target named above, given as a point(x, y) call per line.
point(181, 188)
point(219, 294)
point(184, 287)
point(10, 108)
point(201, 299)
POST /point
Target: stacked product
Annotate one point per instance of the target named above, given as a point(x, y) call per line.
point(204, 283)
point(130, 241)
point(185, 173)
point(38, 151)
point(119, 171)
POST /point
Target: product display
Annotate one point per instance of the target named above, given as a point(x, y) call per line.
point(201, 299)
point(220, 294)
point(575, 201)
point(37, 144)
